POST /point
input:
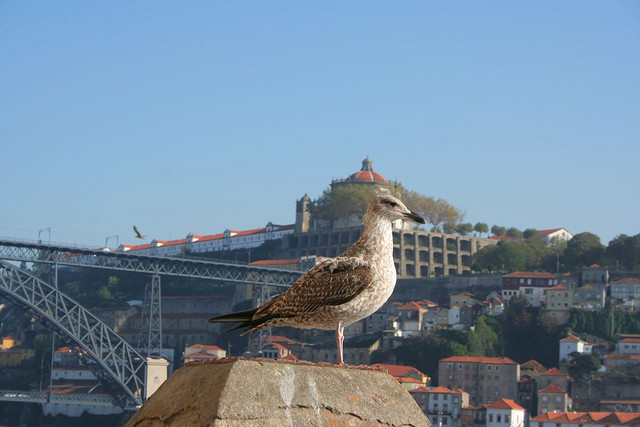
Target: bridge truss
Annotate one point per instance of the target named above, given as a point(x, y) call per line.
point(123, 364)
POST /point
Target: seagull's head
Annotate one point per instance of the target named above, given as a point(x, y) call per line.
point(392, 208)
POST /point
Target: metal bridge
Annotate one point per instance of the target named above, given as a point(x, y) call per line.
point(114, 360)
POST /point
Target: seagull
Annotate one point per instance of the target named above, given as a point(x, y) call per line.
point(138, 235)
point(338, 291)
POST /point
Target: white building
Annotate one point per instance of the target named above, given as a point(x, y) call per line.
point(228, 240)
point(555, 234)
point(628, 346)
point(505, 413)
point(570, 345)
point(442, 405)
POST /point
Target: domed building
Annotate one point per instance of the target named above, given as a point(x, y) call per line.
point(365, 176)
point(417, 253)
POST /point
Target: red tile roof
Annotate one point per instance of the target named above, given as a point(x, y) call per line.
point(559, 288)
point(552, 388)
point(398, 371)
point(547, 232)
point(289, 357)
point(504, 404)
point(411, 306)
point(621, 357)
point(554, 372)
point(630, 340)
point(207, 347)
point(627, 281)
point(531, 274)
point(476, 359)
point(570, 338)
point(620, 418)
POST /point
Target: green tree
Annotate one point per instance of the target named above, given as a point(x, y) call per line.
point(584, 364)
point(529, 232)
point(448, 228)
point(344, 201)
point(498, 230)
point(623, 252)
point(514, 233)
point(583, 249)
point(464, 228)
point(481, 228)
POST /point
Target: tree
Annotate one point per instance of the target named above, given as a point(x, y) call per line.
point(344, 201)
point(623, 252)
point(514, 233)
point(448, 228)
point(498, 230)
point(481, 227)
point(529, 232)
point(583, 249)
point(435, 212)
point(465, 228)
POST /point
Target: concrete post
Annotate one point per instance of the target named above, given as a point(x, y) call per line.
point(155, 375)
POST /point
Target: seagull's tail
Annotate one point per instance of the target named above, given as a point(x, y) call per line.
point(243, 317)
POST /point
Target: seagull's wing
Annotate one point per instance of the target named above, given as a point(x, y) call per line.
point(138, 234)
point(332, 282)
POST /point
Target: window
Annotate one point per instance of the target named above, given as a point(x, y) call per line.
point(499, 418)
point(506, 419)
point(490, 418)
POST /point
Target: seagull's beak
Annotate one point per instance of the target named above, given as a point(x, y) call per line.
point(414, 217)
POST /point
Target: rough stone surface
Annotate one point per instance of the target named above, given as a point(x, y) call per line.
point(259, 392)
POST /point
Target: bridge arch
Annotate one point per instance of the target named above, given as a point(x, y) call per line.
point(123, 364)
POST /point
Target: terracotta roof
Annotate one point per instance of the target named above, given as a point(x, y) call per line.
point(531, 274)
point(289, 357)
point(627, 281)
point(427, 303)
point(420, 390)
point(552, 388)
point(504, 404)
point(621, 357)
point(533, 365)
point(207, 347)
point(629, 418)
point(554, 372)
point(570, 338)
point(476, 359)
point(547, 232)
point(411, 306)
point(559, 288)
point(630, 340)
point(398, 371)
point(409, 380)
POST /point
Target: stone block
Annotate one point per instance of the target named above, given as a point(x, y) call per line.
point(261, 392)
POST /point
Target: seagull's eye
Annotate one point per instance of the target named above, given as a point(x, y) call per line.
point(391, 203)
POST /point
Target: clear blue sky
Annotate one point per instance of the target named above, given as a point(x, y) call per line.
point(199, 116)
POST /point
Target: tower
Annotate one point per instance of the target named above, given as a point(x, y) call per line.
point(303, 214)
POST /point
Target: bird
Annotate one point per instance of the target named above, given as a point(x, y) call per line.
point(337, 291)
point(138, 234)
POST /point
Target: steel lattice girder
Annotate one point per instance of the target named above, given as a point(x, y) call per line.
point(170, 266)
point(123, 363)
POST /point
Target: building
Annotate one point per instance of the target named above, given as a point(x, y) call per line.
point(505, 413)
point(626, 289)
point(473, 416)
point(555, 234)
point(417, 253)
point(581, 419)
point(559, 300)
point(197, 244)
point(553, 398)
point(408, 376)
point(442, 405)
point(628, 346)
point(527, 396)
point(589, 297)
point(410, 319)
point(555, 376)
point(203, 353)
point(572, 344)
point(484, 378)
point(463, 298)
point(533, 285)
point(627, 363)
point(595, 275)
point(626, 405)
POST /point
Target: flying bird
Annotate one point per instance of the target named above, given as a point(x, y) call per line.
point(338, 291)
point(138, 235)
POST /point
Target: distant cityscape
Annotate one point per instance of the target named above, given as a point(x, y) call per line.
point(480, 326)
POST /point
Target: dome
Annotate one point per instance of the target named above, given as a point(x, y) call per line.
point(366, 174)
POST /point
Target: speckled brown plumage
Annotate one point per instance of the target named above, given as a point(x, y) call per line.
point(342, 290)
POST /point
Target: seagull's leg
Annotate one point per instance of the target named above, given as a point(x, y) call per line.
point(339, 341)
